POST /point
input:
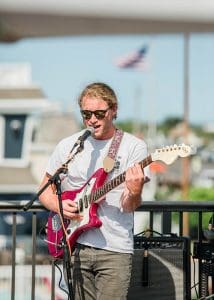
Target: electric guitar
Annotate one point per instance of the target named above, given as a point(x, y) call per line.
point(88, 198)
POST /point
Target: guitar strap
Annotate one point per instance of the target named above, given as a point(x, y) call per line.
point(109, 160)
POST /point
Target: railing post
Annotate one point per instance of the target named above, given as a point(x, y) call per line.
point(181, 223)
point(200, 285)
point(166, 222)
point(34, 219)
point(13, 283)
point(53, 280)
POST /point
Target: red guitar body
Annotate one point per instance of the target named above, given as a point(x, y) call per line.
point(75, 228)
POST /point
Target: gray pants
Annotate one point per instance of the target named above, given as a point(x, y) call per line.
point(100, 274)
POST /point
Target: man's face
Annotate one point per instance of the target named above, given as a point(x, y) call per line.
point(96, 113)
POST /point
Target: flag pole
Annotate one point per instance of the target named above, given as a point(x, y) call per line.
point(137, 111)
point(185, 161)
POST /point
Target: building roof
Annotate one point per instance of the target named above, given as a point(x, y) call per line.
point(28, 18)
point(21, 93)
point(54, 126)
point(14, 179)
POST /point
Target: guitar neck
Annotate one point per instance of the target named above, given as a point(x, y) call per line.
point(110, 185)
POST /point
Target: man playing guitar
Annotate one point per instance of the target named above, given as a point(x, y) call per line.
point(102, 255)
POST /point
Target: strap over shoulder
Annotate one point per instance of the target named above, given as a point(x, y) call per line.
point(109, 160)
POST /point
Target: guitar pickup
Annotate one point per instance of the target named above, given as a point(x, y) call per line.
point(86, 201)
point(80, 206)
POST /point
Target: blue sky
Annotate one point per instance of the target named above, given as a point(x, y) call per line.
point(63, 66)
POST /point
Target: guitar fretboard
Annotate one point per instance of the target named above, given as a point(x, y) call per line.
point(110, 185)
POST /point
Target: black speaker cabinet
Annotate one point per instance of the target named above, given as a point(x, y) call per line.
point(160, 269)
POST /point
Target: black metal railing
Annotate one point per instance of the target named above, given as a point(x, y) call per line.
point(40, 268)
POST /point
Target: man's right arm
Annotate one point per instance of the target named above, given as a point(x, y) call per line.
point(50, 200)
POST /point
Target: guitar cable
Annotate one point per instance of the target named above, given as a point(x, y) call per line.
point(65, 232)
point(60, 279)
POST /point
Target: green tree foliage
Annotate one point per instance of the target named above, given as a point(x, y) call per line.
point(129, 125)
point(200, 194)
point(125, 126)
point(169, 123)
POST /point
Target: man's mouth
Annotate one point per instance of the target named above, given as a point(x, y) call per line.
point(96, 127)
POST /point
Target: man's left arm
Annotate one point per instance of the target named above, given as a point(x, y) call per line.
point(134, 181)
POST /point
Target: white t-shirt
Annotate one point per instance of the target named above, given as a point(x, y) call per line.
point(116, 232)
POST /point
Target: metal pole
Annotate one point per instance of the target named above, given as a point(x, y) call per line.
point(185, 161)
point(137, 111)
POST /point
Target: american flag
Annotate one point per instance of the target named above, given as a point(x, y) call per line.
point(135, 60)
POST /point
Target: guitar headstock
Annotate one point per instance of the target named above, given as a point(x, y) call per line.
point(169, 154)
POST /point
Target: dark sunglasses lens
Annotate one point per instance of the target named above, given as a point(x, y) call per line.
point(87, 114)
point(100, 114)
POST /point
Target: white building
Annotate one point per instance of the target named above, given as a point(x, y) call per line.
point(30, 126)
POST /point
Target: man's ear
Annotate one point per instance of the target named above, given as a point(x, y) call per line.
point(114, 108)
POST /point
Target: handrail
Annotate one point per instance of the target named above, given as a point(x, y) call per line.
point(182, 205)
point(187, 206)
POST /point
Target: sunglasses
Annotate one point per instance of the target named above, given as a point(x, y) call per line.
point(99, 114)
